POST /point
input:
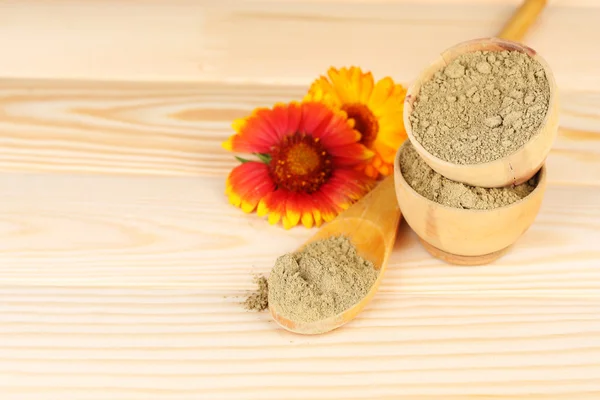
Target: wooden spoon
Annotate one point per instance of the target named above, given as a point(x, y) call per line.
point(371, 225)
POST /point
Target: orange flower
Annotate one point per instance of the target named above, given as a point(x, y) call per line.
point(375, 109)
point(307, 164)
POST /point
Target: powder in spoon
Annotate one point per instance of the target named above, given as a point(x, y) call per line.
point(322, 280)
point(440, 189)
point(481, 107)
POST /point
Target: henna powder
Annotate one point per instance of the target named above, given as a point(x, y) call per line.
point(482, 106)
point(258, 300)
point(322, 280)
point(440, 189)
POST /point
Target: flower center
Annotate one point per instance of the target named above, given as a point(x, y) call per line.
point(300, 163)
point(364, 122)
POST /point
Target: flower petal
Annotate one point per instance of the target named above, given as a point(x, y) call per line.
point(385, 152)
point(308, 206)
point(264, 128)
point(274, 203)
point(382, 91)
point(315, 115)
point(327, 210)
point(317, 217)
point(331, 128)
point(363, 83)
point(321, 91)
point(351, 84)
point(292, 212)
point(282, 205)
point(386, 169)
point(354, 183)
point(350, 155)
point(285, 118)
point(339, 79)
point(392, 137)
point(371, 171)
point(343, 188)
point(247, 184)
point(307, 219)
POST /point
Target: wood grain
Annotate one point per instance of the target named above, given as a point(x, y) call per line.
point(90, 343)
point(283, 42)
point(177, 128)
point(124, 128)
point(122, 267)
point(181, 232)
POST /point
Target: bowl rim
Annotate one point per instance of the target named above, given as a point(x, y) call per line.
point(506, 45)
point(541, 173)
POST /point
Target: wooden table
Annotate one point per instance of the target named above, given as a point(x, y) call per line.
point(122, 267)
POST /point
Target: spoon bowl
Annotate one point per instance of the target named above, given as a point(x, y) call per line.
point(371, 225)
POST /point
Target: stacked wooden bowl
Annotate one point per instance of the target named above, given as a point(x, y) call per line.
point(472, 237)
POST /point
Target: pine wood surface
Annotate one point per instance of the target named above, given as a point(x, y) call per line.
point(122, 266)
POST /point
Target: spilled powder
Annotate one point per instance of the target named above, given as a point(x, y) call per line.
point(436, 187)
point(322, 280)
point(481, 107)
point(258, 300)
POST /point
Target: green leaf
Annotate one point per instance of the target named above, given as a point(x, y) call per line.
point(261, 157)
point(264, 157)
point(242, 160)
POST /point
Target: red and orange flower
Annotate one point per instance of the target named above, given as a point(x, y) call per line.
point(307, 168)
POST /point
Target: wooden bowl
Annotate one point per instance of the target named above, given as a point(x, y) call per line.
point(515, 168)
point(466, 237)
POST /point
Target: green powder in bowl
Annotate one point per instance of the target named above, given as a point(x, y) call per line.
point(483, 106)
point(436, 187)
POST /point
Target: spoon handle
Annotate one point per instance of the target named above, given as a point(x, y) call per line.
point(379, 207)
point(522, 19)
